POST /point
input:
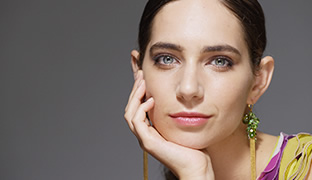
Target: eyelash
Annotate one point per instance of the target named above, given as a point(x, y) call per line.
point(228, 62)
point(157, 60)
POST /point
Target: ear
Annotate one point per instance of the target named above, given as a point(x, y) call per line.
point(135, 55)
point(262, 79)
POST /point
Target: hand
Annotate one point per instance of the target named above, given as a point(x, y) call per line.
point(186, 163)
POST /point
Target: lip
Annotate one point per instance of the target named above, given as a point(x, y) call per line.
point(190, 118)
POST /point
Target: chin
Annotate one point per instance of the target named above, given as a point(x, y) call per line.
point(191, 144)
point(194, 140)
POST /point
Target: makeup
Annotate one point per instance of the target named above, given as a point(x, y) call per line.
point(192, 119)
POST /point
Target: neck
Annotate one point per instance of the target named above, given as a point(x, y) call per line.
point(230, 157)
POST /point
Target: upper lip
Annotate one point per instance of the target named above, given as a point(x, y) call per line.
point(189, 114)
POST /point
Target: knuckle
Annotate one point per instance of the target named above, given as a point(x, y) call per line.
point(142, 108)
point(146, 144)
point(126, 116)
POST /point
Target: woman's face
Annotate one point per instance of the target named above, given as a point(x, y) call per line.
point(197, 69)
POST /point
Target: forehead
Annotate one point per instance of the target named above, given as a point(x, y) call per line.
point(196, 23)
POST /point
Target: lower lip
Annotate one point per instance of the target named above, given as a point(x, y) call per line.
point(190, 121)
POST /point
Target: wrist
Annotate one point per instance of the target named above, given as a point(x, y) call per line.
point(195, 178)
point(206, 175)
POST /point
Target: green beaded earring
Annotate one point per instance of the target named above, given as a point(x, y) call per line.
point(252, 123)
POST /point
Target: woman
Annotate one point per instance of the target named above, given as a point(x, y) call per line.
point(200, 69)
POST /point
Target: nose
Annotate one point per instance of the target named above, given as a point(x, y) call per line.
point(189, 87)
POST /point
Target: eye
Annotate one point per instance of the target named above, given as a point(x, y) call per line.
point(165, 60)
point(222, 62)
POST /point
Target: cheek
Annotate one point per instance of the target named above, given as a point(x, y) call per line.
point(154, 88)
point(231, 97)
point(161, 88)
point(234, 91)
point(159, 85)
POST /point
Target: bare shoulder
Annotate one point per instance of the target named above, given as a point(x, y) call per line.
point(265, 147)
point(266, 142)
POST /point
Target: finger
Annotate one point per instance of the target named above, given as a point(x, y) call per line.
point(135, 102)
point(138, 78)
point(139, 120)
point(147, 121)
point(134, 105)
point(134, 89)
point(136, 84)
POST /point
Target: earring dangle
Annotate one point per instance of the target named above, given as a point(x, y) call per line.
point(252, 123)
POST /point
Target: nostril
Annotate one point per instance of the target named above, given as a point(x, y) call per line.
point(190, 90)
point(189, 86)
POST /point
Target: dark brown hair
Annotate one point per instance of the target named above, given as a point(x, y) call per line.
point(145, 29)
point(248, 12)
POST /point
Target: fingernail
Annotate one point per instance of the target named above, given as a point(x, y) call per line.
point(150, 99)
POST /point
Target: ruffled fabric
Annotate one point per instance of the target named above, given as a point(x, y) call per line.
point(271, 172)
point(296, 160)
point(291, 158)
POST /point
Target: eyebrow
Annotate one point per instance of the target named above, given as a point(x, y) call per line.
point(221, 48)
point(162, 45)
point(175, 47)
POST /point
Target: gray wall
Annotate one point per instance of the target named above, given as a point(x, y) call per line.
point(65, 78)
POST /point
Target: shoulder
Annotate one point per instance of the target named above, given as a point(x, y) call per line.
point(265, 146)
point(266, 142)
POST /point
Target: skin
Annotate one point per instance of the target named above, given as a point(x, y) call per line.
point(194, 83)
point(184, 69)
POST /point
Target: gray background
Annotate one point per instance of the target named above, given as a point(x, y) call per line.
point(65, 78)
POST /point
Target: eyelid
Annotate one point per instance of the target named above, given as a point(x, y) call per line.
point(228, 59)
point(176, 61)
point(221, 68)
point(157, 56)
point(163, 54)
